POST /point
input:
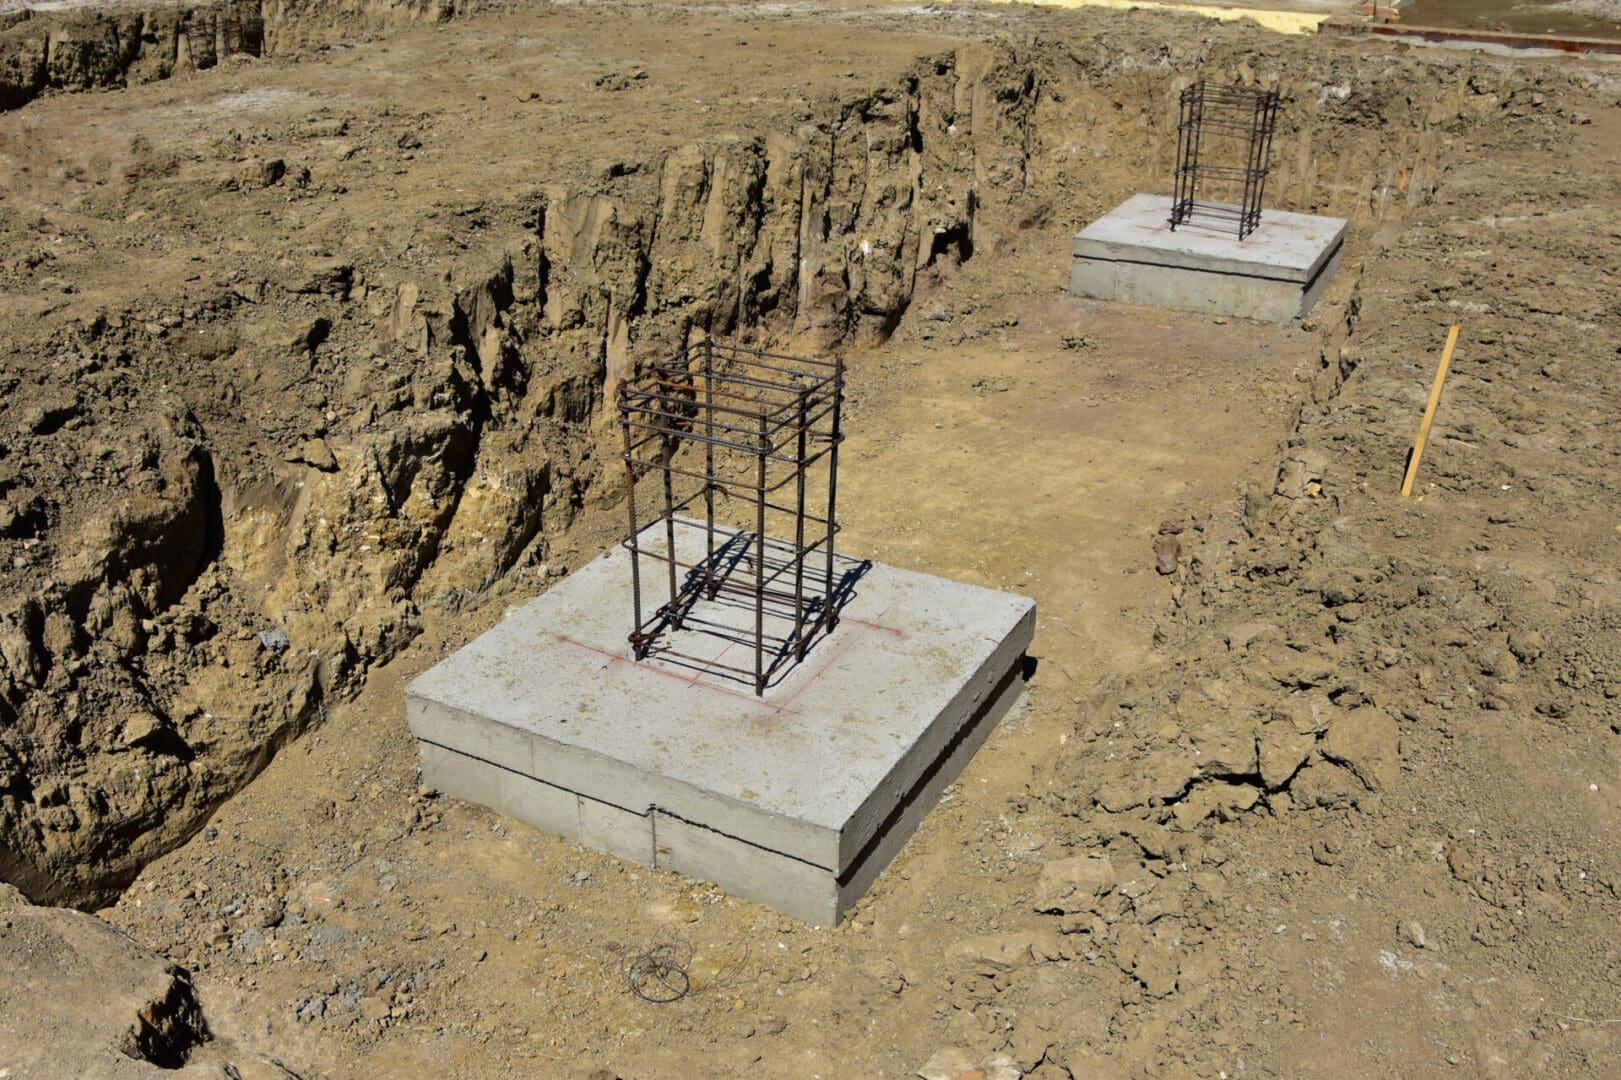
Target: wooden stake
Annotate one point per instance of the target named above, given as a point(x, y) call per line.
point(1429, 411)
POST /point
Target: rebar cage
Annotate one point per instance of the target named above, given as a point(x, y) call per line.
point(1219, 127)
point(759, 432)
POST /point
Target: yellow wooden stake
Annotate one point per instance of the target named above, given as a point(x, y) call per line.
point(1429, 411)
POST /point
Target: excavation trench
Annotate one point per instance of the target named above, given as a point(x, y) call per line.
point(356, 381)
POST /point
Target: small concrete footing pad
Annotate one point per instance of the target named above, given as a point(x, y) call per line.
point(1274, 275)
point(797, 799)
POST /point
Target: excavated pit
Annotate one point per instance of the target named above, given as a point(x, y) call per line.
point(307, 361)
point(289, 373)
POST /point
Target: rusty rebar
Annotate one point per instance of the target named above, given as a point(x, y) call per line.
point(764, 421)
point(1240, 122)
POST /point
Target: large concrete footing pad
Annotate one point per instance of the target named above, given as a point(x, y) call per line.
point(797, 799)
point(1276, 274)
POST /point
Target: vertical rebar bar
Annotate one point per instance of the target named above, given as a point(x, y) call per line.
point(799, 529)
point(1249, 172)
point(759, 561)
point(1268, 126)
point(667, 448)
point(1182, 200)
point(708, 347)
point(635, 550)
point(831, 617)
point(1196, 141)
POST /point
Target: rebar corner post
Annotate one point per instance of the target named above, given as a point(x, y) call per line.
point(638, 643)
point(1185, 158)
point(1268, 125)
point(835, 436)
point(667, 449)
point(1196, 135)
point(759, 560)
point(803, 423)
point(709, 581)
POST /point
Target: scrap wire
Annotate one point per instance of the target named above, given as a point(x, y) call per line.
point(658, 972)
point(663, 971)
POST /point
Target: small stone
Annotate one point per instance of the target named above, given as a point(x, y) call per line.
point(998, 950)
point(304, 340)
point(316, 454)
point(1167, 550)
point(141, 728)
point(1527, 646)
point(956, 1063)
point(260, 173)
point(1413, 934)
point(1073, 885)
point(1282, 751)
point(274, 640)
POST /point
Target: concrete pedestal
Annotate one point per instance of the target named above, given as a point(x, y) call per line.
point(797, 799)
point(1275, 274)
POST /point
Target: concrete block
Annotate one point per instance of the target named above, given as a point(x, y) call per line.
point(792, 886)
point(546, 806)
point(1276, 274)
point(797, 799)
point(614, 830)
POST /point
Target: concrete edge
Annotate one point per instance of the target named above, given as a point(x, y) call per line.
point(1085, 247)
point(810, 843)
point(1200, 291)
point(657, 838)
point(893, 833)
point(981, 686)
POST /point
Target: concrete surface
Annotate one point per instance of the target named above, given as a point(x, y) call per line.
point(1275, 274)
point(797, 799)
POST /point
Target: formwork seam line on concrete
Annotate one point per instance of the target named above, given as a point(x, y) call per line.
point(652, 813)
point(656, 812)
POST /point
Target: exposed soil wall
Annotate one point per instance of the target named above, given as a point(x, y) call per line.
point(102, 49)
point(189, 586)
point(222, 510)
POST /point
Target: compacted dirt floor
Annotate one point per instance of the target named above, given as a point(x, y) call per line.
point(1311, 780)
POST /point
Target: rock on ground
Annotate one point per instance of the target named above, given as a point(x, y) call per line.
point(79, 998)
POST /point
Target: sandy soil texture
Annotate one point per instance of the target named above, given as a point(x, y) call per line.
point(308, 357)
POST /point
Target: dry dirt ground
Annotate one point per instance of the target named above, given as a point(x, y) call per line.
point(1311, 781)
point(1574, 18)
